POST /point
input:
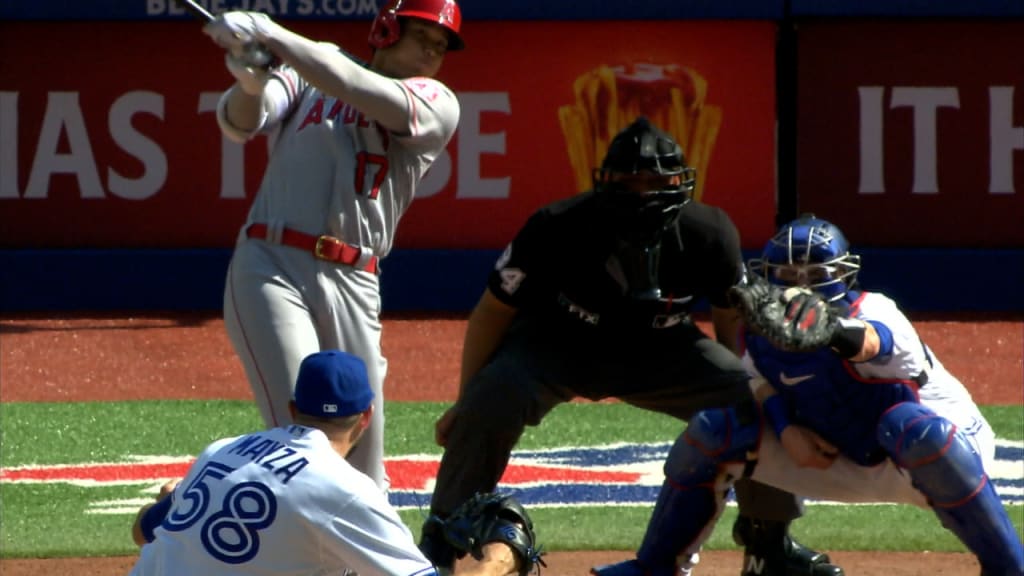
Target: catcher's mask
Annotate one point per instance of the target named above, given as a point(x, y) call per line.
point(386, 28)
point(645, 176)
point(809, 252)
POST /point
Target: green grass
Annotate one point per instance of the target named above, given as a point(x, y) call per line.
point(63, 433)
point(49, 520)
point(53, 433)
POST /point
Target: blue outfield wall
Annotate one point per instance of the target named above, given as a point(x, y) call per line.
point(921, 280)
point(907, 8)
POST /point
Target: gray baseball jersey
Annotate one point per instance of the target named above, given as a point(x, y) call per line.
point(332, 170)
point(279, 502)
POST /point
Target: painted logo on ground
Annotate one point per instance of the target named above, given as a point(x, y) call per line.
point(612, 475)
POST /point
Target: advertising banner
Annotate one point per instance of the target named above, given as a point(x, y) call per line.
point(108, 137)
point(365, 9)
point(911, 133)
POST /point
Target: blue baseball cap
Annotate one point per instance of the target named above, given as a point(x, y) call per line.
point(332, 384)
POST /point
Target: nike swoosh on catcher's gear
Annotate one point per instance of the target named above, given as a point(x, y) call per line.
point(794, 380)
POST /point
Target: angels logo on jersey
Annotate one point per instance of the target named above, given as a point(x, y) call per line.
point(424, 88)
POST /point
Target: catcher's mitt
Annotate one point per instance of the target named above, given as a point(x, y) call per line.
point(494, 517)
point(792, 319)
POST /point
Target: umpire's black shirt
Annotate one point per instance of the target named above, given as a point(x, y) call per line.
point(562, 269)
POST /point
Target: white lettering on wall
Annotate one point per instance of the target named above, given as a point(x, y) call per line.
point(154, 161)
point(872, 140)
point(473, 145)
point(64, 146)
point(1005, 139)
point(270, 7)
point(925, 101)
point(8, 144)
point(63, 116)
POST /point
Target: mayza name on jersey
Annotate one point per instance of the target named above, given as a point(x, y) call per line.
point(270, 454)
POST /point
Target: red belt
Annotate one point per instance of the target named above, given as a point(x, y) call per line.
point(323, 247)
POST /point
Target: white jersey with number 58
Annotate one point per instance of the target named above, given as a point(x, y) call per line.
point(279, 502)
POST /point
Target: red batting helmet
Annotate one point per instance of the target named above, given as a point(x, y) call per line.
point(385, 30)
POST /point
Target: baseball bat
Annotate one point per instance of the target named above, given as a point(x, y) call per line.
point(196, 9)
point(255, 53)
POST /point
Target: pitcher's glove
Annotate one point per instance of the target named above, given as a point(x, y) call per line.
point(792, 319)
point(494, 517)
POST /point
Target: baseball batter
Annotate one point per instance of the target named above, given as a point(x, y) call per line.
point(349, 146)
point(285, 501)
point(873, 416)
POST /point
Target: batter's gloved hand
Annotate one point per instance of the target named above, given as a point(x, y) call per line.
point(243, 35)
point(493, 517)
point(793, 319)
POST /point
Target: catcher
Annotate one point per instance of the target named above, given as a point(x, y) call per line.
point(856, 408)
point(286, 501)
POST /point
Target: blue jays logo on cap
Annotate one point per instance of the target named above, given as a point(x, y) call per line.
point(332, 384)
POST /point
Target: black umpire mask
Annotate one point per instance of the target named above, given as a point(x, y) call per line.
point(643, 217)
point(645, 179)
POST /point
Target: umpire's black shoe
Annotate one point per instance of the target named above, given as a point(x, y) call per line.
point(436, 548)
point(770, 551)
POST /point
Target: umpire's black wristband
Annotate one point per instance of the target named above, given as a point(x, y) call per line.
point(848, 339)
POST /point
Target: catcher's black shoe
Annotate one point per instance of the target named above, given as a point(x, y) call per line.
point(770, 551)
point(434, 546)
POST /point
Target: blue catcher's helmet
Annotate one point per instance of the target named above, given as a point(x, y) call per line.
point(809, 252)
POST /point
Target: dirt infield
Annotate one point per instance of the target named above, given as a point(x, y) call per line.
point(187, 356)
point(714, 563)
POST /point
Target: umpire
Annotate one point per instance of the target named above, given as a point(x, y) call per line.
point(592, 298)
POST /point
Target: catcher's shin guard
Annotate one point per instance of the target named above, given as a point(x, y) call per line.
point(944, 466)
point(682, 516)
point(693, 493)
point(768, 550)
point(679, 514)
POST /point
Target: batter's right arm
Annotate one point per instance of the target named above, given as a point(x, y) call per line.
point(261, 95)
point(241, 110)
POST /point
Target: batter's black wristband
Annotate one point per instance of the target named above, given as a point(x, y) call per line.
point(848, 339)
